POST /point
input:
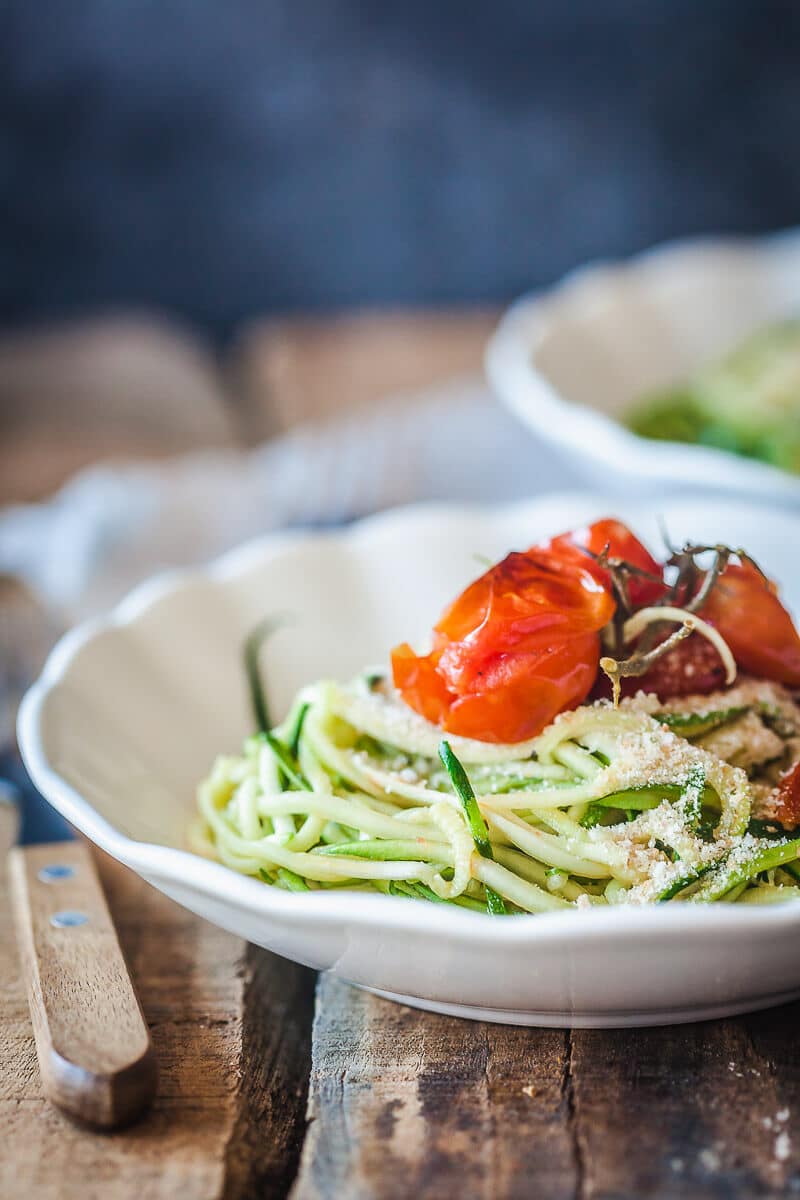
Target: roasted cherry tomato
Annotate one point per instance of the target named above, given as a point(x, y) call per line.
point(518, 646)
point(786, 799)
point(691, 668)
point(621, 544)
point(746, 610)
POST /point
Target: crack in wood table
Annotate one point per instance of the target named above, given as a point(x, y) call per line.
point(275, 1082)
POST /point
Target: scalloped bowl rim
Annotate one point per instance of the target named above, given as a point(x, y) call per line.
point(165, 863)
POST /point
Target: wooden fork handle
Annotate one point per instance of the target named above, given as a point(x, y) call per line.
point(94, 1049)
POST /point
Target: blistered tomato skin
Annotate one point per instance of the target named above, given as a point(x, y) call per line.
point(522, 693)
point(786, 799)
point(611, 535)
point(746, 610)
point(691, 668)
point(517, 647)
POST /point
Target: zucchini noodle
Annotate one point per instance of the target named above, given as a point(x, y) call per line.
point(606, 806)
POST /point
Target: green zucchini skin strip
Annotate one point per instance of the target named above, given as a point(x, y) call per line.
point(291, 881)
point(477, 826)
point(295, 733)
point(287, 762)
point(463, 789)
point(692, 725)
point(595, 815)
point(380, 850)
point(793, 869)
point(651, 795)
point(685, 881)
point(421, 892)
point(723, 878)
point(250, 652)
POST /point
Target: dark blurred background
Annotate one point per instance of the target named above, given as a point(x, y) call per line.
point(217, 160)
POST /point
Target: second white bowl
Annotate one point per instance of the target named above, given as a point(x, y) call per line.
point(570, 362)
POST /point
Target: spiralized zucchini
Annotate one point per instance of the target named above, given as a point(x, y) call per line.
point(606, 806)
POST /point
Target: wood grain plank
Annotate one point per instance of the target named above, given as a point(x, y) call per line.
point(689, 1110)
point(404, 1103)
point(284, 372)
point(274, 1066)
point(408, 1104)
point(773, 1038)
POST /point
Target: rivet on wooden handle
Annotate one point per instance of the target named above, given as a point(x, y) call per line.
point(94, 1049)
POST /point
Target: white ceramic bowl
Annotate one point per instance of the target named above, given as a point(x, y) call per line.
point(571, 361)
point(131, 709)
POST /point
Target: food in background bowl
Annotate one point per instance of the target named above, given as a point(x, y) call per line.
point(747, 402)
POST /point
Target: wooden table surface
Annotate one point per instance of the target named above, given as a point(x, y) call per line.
point(275, 1082)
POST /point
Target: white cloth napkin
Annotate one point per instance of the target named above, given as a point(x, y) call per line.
point(110, 527)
